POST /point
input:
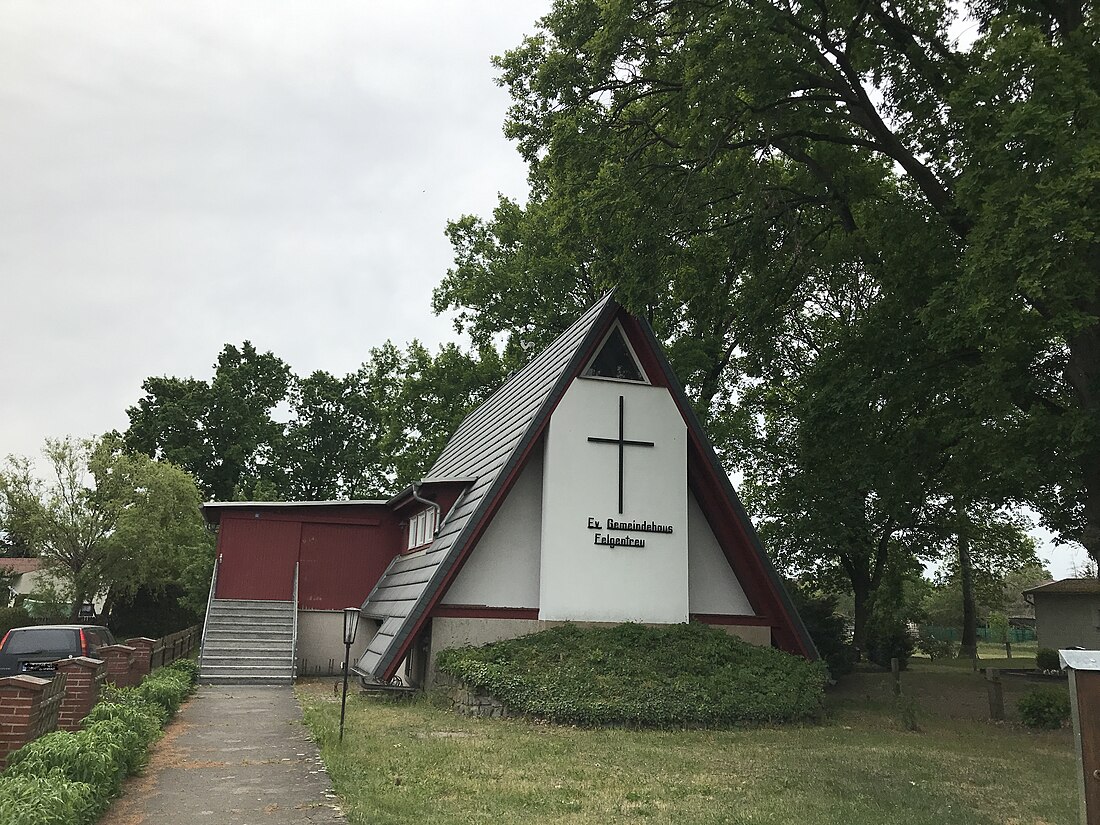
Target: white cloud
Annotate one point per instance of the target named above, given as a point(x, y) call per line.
point(179, 175)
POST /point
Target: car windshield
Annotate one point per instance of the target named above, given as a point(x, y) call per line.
point(37, 641)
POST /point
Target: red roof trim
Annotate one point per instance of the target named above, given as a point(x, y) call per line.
point(481, 611)
point(724, 619)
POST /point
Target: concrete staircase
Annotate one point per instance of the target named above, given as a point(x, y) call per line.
point(248, 643)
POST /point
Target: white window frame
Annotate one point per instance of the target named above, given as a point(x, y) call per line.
point(422, 528)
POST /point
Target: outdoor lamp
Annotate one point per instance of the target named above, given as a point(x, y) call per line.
point(351, 624)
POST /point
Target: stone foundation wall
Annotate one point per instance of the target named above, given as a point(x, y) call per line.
point(470, 701)
point(321, 642)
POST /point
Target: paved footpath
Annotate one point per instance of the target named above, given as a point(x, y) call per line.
point(234, 755)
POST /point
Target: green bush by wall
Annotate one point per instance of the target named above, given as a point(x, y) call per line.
point(674, 675)
point(66, 778)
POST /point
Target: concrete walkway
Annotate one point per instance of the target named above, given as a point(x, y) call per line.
point(235, 755)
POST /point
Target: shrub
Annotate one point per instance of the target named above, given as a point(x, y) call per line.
point(1046, 709)
point(68, 778)
point(889, 639)
point(189, 667)
point(49, 799)
point(166, 688)
point(826, 627)
point(935, 648)
point(14, 617)
point(676, 675)
point(1046, 658)
point(101, 764)
point(116, 731)
point(136, 713)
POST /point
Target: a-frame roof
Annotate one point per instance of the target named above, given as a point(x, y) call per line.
point(493, 444)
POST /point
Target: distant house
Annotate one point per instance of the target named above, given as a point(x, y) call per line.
point(26, 573)
point(1067, 613)
point(29, 575)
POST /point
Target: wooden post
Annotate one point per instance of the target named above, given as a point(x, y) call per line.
point(895, 671)
point(1084, 696)
point(996, 694)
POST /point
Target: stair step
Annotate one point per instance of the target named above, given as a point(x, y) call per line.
point(247, 608)
point(248, 641)
point(253, 669)
point(237, 679)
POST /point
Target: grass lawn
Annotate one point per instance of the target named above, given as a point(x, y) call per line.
point(415, 761)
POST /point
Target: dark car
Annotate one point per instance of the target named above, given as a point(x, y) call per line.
point(33, 650)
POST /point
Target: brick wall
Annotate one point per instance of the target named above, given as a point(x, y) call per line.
point(28, 709)
point(84, 679)
point(121, 664)
point(31, 707)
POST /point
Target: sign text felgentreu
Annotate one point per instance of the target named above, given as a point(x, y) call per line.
point(615, 525)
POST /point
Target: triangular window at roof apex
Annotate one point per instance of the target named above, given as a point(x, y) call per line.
point(615, 359)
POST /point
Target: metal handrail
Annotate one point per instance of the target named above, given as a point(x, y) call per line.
point(294, 633)
point(209, 603)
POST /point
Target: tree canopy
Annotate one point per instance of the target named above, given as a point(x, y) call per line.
point(363, 435)
point(867, 232)
point(108, 523)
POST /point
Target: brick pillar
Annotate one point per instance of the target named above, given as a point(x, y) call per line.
point(28, 709)
point(120, 664)
point(143, 655)
point(83, 679)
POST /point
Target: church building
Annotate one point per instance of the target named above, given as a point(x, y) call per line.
point(584, 490)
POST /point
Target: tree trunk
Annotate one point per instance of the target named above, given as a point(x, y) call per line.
point(864, 602)
point(968, 646)
point(1090, 535)
point(1083, 375)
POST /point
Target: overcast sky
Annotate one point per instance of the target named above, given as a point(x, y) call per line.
point(175, 176)
point(179, 175)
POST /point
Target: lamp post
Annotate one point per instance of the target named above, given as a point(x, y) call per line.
point(351, 625)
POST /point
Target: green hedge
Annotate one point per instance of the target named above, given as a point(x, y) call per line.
point(67, 778)
point(674, 675)
point(1048, 708)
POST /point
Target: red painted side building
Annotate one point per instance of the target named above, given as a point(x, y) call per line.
point(337, 550)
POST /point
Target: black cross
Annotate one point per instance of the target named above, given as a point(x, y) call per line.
point(622, 442)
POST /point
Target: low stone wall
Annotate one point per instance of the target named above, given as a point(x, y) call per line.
point(471, 701)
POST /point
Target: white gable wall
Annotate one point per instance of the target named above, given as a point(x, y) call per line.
point(582, 580)
point(503, 569)
point(712, 585)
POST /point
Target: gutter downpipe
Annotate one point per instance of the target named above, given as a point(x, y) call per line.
point(209, 603)
point(432, 504)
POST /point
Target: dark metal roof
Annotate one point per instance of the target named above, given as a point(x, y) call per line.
point(1089, 587)
point(487, 446)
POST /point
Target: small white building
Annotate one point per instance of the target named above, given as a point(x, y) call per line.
point(1067, 613)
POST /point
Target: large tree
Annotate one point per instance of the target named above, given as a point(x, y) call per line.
point(710, 157)
point(107, 523)
point(222, 430)
point(837, 219)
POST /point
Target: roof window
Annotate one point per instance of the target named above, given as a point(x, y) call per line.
point(615, 360)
